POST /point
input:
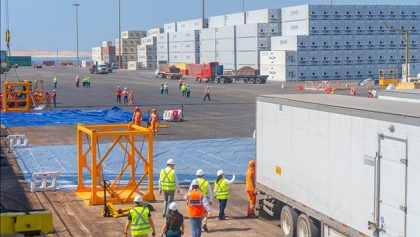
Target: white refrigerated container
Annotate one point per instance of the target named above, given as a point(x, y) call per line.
point(226, 32)
point(169, 27)
point(217, 21)
point(349, 162)
point(263, 16)
point(235, 19)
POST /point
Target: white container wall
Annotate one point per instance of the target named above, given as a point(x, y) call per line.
point(175, 37)
point(225, 45)
point(227, 32)
point(295, 13)
point(225, 57)
point(191, 35)
point(217, 21)
point(169, 27)
point(209, 33)
point(206, 57)
point(149, 40)
point(295, 28)
point(235, 19)
point(207, 45)
point(253, 43)
point(162, 38)
point(259, 29)
point(175, 47)
point(154, 31)
point(190, 46)
point(106, 43)
point(175, 57)
point(263, 16)
point(191, 58)
point(284, 43)
point(162, 56)
point(162, 47)
point(247, 58)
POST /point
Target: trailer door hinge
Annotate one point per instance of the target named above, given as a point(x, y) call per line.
point(403, 208)
point(403, 161)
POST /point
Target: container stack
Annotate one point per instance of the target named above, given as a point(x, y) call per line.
point(207, 45)
point(147, 52)
point(129, 42)
point(97, 54)
point(346, 42)
point(226, 47)
point(274, 64)
point(162, 53)
point(108, 52)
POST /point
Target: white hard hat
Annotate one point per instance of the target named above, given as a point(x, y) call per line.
point(170, 162)
point(138, 199)
point(199, 172)
point(194, 182)
point(220, 172)
point(173, 206)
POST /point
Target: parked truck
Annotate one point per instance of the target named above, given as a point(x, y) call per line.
point(165, 71)
point(331, 165)
point(245, 74)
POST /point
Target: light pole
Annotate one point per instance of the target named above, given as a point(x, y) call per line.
point(77, 31)
point(119, 35)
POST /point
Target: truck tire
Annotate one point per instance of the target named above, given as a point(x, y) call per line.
point(305, 227)
point(258, 80)
point(245, 80)
point(288, 219)
point(222, 80)
point(252, 80)
point(217, 80)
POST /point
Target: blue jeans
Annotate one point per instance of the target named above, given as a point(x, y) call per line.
point(222, 206)
point(173, 235)
point(196, 226)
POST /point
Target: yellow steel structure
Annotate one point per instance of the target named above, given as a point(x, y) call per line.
point(93, 192)
point(12, 92)
point(31, 223)
point(388, 76)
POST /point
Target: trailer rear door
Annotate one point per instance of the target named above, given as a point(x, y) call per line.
point(393, 186)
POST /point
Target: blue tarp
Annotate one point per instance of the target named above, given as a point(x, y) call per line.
point(67, 117)
point(231, 155)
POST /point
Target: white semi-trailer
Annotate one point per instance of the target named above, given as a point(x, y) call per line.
point(339, 165)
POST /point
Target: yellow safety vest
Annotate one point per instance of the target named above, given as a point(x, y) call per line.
point(140, 224)
point(222, 190)
point(167, 179)
point(203, 185)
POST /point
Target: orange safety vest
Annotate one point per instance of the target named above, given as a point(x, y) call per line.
point(250, 178)
point(137, 118)
point(118, 92)
point(195, 204)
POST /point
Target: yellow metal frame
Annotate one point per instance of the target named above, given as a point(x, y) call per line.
point(25, 90)
point(116, 193)
point(13, 223)
point(388, 76)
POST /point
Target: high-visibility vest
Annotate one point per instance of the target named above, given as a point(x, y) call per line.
point(203, 185)
point(195, 203)
point(140, 224)
point(167, 179)
point(222, 190)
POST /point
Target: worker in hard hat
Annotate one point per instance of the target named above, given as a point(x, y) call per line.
point(166, 88)
point(197, 207)
point(154, 121)
point(131, 98)
point(137, 116)
point(207, 93)
point(54, 98)
point(55, 81)
point(222, 191)
point(188, 90)
point(140, 219)
point(205, 188)
point(250, 188)
point(162, 88)
point(125, 94)
point(118, 94)
point(168, 183)
point(174, 222)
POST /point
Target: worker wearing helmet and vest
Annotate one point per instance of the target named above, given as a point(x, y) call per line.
point(205, 188)
point(197, 207)
point(140, 220)
point(222, 191)
point(168, 183)
point(137, 117)
point(174, 223)
point(250, 188)
point(118, 94)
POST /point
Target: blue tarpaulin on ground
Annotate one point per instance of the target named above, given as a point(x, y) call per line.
point(67, 117)
point(231, 155)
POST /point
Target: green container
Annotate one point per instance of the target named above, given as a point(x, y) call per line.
point(21, 61)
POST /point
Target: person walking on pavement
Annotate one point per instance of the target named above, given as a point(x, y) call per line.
point(184, 90)
point(205, 188)
point(222, 191)
point(168, 184)
point(161, 88)
point(118, 94)
point(197, 207)
point(125, 94)
point(174, 222)
point(55, 81)
point(137, 116)
point(250, 188)
point(47, 99)
point(154, 121)
point(77, 80)
point(188, 90)
point(181, 82)
point(166, 88)
point(207, 93)
point(140, 220)
point(131, 98)
point(54, 98)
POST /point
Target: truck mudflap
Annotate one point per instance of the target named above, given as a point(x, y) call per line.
point(324, 219)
